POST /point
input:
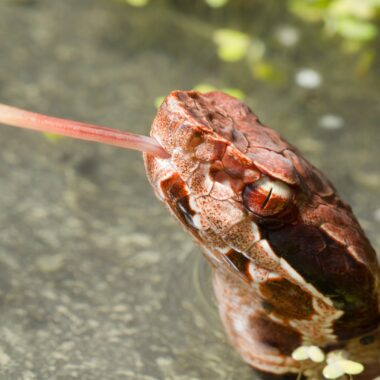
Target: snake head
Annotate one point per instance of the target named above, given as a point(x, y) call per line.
point(258, 208)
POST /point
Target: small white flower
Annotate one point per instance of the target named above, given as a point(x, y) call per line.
point(331, 122)
point(313, 353)
point(308, 78)
point(338, 365)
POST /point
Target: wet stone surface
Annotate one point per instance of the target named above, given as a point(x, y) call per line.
point(97, 281)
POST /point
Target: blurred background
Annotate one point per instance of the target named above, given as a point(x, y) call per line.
point(97, 281)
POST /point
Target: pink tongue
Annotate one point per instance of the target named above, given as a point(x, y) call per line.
point(24, 119)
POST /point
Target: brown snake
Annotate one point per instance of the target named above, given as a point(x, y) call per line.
point(291, 265)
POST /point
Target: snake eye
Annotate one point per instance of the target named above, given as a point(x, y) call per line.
point(267, 197)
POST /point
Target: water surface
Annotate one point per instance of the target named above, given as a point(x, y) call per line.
point(97, 281)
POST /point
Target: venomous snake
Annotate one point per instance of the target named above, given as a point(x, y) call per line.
point(291, 265)
point(292, 268)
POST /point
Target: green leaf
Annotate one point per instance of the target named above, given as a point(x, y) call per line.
point(137, 3)
point(266, 71)
point(216, 3)
point(204, 87)
point(310, 10)
point(158, 101)
point(358, 9)
point(235, 92)
point(232, 44)
point(52, 137)
point(357, 30)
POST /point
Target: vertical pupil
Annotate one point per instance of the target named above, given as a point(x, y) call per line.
point(267, 198)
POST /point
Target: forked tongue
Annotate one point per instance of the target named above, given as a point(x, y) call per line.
point(25, 119)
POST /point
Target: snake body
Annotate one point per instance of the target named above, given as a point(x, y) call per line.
point(291, 265)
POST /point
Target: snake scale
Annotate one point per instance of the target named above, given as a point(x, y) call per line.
point(291, 265)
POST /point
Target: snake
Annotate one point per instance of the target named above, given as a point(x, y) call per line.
point(291, 266)
point(292, 269)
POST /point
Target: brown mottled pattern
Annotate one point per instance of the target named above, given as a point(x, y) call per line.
point(298, 271)
point(287, 300)
point(284, 338)
point(238, 261)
